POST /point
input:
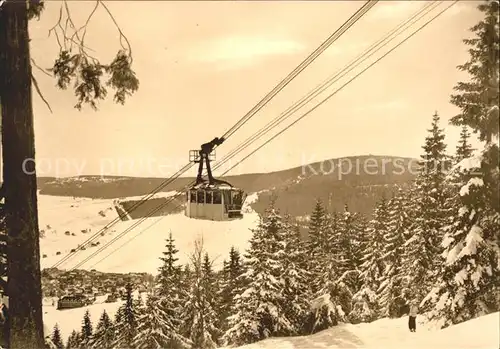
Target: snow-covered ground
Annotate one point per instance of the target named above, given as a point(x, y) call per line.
point(68, 222)
point(71, 319)
point(480, 333)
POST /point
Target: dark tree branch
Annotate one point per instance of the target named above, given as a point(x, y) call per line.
point(86, 71)
point(40, 68)
point(37, 88)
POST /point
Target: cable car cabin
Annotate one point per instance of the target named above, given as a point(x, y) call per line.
point(217, 203)
point(73, 301)
point(212, 199)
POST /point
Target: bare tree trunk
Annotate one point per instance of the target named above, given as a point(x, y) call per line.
point(18, 145)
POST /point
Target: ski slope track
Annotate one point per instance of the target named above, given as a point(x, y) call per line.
point(67, 222)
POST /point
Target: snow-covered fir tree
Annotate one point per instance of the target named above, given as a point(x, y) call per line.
point(171, 291)
point(334, 245)
point(56, 338)
point(478, 98)
point(331, 304)
point(464, 149)
point(104, 334)
point(200, 316)
point(351, 232)
point(73, 341)
point(186, 280)
point(423, 248)
point(49, 344)
point(211, 285)
point(317, 245)
point(155, 329)
point(329, 296)
point(126, 321)
point(295, 277)
point(86, 332)
point(340, 250)
point(352, 239)
point(468, 284)
point(259, 313)
point(318, 230)
point(366, 307)
point(169, 271)
point(230, 286)
point(391, 291)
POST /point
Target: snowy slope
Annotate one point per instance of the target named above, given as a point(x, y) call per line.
point(71, 319)
point(67, 222)
point(480, 333)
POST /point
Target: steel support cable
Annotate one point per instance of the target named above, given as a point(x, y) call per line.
point(327, 43)
point(344, 85)
point(328, 82)
point(120, 215)
point(305, 114)
point(127, 230)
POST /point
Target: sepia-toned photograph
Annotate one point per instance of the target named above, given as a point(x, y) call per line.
point(249, 174)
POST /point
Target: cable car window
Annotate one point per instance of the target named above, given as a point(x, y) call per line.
point(200, 197)
point(227, 197)
point(217, 197)
point(193, 196)
point(208, 197)
point(237, 197)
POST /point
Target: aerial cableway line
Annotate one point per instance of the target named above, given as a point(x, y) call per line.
point(351, 21)
point(300, 118)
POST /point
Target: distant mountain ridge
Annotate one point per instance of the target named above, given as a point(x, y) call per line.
point(357, 181)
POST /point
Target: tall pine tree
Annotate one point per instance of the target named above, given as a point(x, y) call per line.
point(350, 242)
point(317, 246)
point(200, 317)
point(391, 291)
point(295, 277)
point(259, 313)
point(230, 286)
point(478, 98)
point(73, 340)
point(155, 330)
point(366, 303)
point(126, 321)
point(169, 272)
point(468, 283)
point(423, 248)
point(56, 338)
point(464, 149)
point(86, 332)
point(171, 288)
point(104, 334)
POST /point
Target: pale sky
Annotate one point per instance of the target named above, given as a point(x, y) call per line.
point(203, 65)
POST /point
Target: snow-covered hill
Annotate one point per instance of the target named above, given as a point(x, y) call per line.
point(68, 222)
point(480, 333)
